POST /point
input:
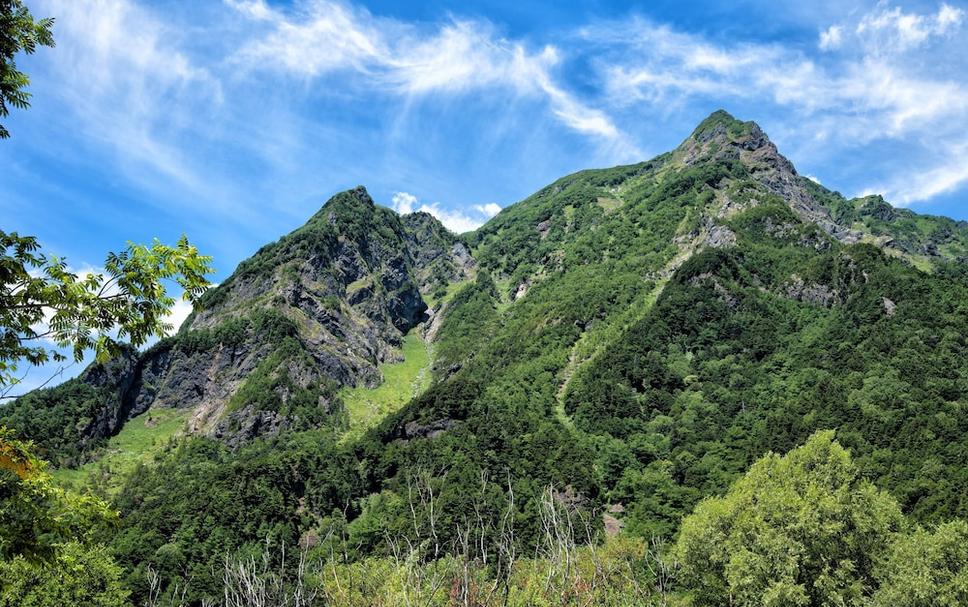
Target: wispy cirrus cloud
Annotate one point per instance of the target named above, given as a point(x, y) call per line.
point(870, 91)
point(458, 56)
point(670, 66)
point(127, 81)
point(172, 108)
point(891, 30)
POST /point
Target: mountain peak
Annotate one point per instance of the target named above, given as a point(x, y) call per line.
point(353, 197)
point(722, 128)
point(723, 138)
point(348, 203)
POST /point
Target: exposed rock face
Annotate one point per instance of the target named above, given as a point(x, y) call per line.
point(889, 307)
point(612, 525)
point(439, 256)
point(721, 137)
point(720, 236)
point(114, 380)
point(318, 309)
point(428, 430)
point(543, 228)
point(814, 293)
point(878, 208)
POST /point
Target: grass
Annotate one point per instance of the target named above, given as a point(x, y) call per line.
point(609, 204)
point(356, 285)
point(452, 289)
point(401, 382)
point(138, 442)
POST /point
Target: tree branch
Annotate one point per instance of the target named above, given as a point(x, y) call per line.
point(5, 394)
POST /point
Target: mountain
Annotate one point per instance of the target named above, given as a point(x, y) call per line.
point(635, 337)
point(321, 308)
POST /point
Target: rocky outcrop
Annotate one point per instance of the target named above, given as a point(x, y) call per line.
point(812, 293)
point(430, 429)
point(719, 237)
point(722, 137)
point(113, 383)
point(320, 308)
point(438, 256)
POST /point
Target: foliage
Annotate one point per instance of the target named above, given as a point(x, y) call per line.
point(616, 574)
point(468, 318)
point(753, 348)
point(36, 517)
point(78, 575)
point(80, 312)
point(607, 347)
point(19, 32)
point(924, 239)
point(801, 529)
point(56, 417)
point(48, 555)
point(926, 568)
point(202, 501)
point(138, 442)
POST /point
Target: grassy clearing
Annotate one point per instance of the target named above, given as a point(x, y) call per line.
point(452, 289)
point(401, 382)
point(139, 440)
point(609, 204)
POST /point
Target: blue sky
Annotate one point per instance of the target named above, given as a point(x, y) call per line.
point(233, 121)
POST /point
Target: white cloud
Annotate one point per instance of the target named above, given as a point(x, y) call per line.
point(488, 210)
point(142, 84)
point(831, 37)
point(813, 179)
point(125, 76)
point(455, 221)
point(871, 96)
point(254, 9)
point(923, 185)
point(860, 95)
point(894, 30)
point(948, 17)
point(403, 202)
point(326, 37)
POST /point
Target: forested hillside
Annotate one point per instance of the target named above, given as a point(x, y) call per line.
point(590, 397)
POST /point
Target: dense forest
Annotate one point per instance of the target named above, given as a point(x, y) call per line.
point(699, 380)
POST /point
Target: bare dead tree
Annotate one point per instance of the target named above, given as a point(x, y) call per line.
point(157, 597)
point(478, 566)
point(255, 583)
point(558, 535)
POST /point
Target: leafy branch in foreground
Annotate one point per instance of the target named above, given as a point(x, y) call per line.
point(41, 299)
point(19, 31)
point(37, 518)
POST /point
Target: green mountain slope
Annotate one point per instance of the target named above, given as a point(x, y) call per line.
point(924, 239)
point(634, 337)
